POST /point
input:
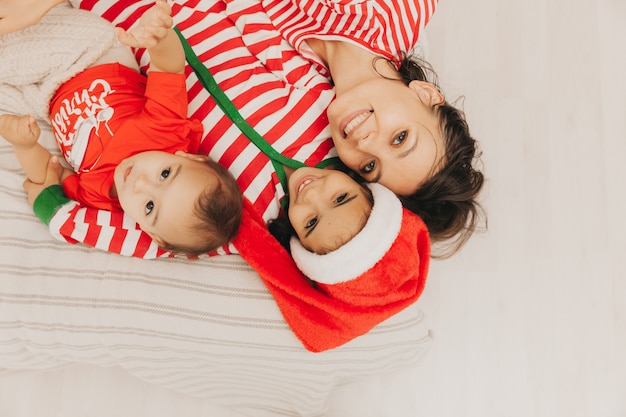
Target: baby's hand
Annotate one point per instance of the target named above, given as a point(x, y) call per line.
point(20, 131)
point(153, 27)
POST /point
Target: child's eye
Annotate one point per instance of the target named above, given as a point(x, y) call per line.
point(340, 198)
point(311, 223)
point(399, 139)
point(165, 173)
point(149, 207)
point(369, 167)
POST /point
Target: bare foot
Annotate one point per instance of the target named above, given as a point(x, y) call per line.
point(19, 14)
point(20, 131)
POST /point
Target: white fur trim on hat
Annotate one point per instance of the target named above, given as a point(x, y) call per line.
point(361, 252)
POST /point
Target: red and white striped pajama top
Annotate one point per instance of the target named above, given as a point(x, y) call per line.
point(257, 52)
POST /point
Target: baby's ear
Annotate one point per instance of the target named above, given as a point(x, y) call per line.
point(192, 156)
point(427, 92)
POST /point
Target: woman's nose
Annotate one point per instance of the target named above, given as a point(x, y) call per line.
point(366, 142)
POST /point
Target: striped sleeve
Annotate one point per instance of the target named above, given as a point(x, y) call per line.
point(387, 28)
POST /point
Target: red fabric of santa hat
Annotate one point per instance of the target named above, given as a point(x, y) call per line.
point(326, 317)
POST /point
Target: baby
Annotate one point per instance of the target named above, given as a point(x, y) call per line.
point(126, 136)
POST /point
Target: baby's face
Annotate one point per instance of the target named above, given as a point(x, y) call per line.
point(159, 191)
point(326, 208)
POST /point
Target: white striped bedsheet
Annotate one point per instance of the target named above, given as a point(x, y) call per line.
point(206, 328)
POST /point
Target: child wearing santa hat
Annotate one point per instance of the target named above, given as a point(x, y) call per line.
point(378, 273)
point(338, 228)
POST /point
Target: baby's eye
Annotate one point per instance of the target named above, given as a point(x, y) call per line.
point(311, 223)
point(149, 207)
point(369, 167)
point(165, 173)
point(340, 198)
point(399, 139)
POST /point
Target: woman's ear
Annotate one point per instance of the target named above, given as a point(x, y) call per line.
point(427, 92)
point(192, 156)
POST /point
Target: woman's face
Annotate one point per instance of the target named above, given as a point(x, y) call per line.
point(326, 208)
point(389, 133)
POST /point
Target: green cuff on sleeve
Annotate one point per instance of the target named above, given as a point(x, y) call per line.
point(48, 202)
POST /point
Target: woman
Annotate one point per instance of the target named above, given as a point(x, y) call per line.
point(279, 63)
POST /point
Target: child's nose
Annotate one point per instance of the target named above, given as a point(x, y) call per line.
point(141, 183)
point(313, 192)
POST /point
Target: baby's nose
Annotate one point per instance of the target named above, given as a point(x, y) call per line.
point(141, 183)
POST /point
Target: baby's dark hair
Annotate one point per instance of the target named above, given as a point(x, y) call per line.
point(218, 212)
point(447, 202)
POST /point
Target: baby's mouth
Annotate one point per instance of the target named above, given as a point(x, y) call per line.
point(127, 172)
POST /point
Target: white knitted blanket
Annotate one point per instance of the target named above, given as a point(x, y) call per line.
point(36, 60)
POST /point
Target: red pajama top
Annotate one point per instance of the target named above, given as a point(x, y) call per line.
point(110, 112)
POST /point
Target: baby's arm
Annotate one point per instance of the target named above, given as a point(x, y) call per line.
point(33, 190)
point(23, 132)
point(155, 33)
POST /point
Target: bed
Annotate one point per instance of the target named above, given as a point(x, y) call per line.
point(206, 328)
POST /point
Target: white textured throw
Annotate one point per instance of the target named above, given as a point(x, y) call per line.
point(36, 60)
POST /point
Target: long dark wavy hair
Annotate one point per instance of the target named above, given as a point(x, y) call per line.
point(447, 202)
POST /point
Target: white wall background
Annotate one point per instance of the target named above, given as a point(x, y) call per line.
point(531, 316)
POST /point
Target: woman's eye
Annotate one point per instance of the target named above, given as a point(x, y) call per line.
point(149, 207)
point(369, 167)
point(165, 173)
point(340, 198)
point(311, 223)
point(399, 139)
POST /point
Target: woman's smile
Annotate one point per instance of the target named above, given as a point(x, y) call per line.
point(353, 120)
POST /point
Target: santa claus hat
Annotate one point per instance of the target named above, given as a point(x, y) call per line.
point(325, 316)
point(370, 246)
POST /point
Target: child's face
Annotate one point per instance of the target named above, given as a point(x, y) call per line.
point(389, 133)
point(326, 208)
point(159, 191)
